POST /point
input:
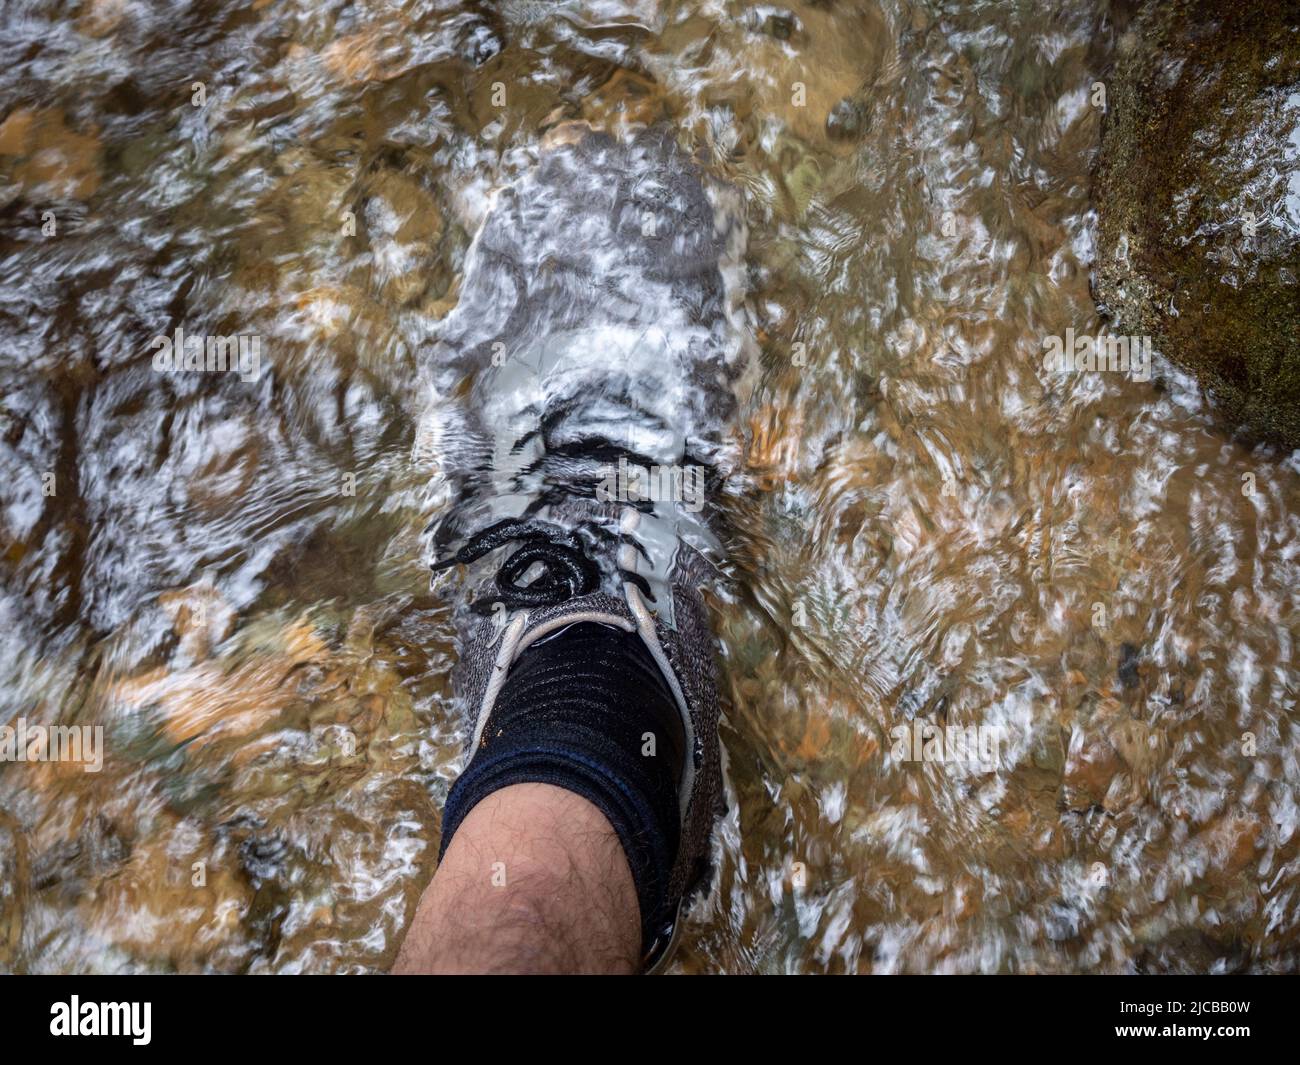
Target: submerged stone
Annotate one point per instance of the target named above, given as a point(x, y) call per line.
point(1198, 191)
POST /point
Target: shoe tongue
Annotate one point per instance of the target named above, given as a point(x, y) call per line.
point(574, 510)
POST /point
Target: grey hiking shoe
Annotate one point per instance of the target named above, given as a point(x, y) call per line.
point(600, 329)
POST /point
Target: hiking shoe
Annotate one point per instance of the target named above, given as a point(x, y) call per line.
point(599, 328)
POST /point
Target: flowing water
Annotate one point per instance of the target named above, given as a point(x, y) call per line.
point(224, 570)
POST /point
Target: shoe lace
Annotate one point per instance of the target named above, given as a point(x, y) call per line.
point(568, 570)
point(566, 556)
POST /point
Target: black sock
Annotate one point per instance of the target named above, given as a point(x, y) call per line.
point(578, 710)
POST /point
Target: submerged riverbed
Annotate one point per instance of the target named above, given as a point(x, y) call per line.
point(223, 570)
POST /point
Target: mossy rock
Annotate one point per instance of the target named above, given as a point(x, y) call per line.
point(1200, 146)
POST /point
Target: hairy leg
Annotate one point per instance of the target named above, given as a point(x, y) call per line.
point(534, 881)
